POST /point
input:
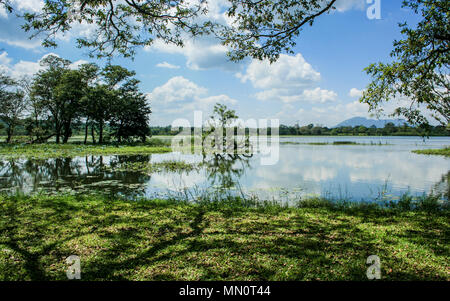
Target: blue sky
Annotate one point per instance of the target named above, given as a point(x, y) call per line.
point(318, 84)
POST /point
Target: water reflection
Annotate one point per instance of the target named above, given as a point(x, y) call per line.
point(225, 171)
point(72, 175)
point(357, 172)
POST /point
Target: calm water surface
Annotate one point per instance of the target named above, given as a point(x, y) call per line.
point(388, 168)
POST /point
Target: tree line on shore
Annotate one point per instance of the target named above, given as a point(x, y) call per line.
point(59, 98)
point(316, 130)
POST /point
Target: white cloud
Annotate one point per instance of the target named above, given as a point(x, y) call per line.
point(319, 95)
point(355, 93)
point(182, 96)
point(167, 65)
point(20, 69)
point(345, 5)
point(201, 54)
point(329, 115)
point(3, 13)
point(204, 52)
point(27, 68)
point(177, 89)
point(286, 73)
point(28, 5)
point(316, 95)
point(12, 34)
point(349, 110)
point(218, 99)
point(4, 59)
point(290, 79)
point(33, 6)
point(25, 43)
point(77, 64)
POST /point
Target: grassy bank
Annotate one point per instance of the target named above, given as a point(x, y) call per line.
point(164, 240)
point(52, 150)
point(437, 152)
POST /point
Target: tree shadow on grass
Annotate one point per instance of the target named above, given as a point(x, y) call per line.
point(122, 241)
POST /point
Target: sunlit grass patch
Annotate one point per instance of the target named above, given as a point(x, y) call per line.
point(168, 240)
point(439, 152)
point(53, 150)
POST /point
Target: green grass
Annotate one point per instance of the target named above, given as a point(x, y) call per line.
point(168, 240)
point(439, 152)
point(52, 150)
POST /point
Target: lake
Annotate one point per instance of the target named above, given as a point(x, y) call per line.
point(376, 167)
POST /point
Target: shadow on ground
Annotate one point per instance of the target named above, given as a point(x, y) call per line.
point(157, 241)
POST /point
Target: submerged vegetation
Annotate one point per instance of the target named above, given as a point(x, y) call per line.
point(440, 152)
point(154, 167)
point(53, 150)
point(234, 240)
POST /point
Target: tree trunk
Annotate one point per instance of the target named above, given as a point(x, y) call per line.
point(42, 139)
point(86, 130)
point(67, 132)
point(57, 132)
point(92, 133)
point(9, 132)
point(100, 135)
point(119, 132)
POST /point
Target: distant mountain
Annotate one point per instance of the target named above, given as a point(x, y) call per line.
point(358, 121)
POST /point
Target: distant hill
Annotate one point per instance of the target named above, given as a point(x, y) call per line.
point(358, 121)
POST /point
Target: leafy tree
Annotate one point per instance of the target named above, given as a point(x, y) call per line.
point(98, 103)
point(59, 90)
point(53, 101)
point(117, 75)
point(420, 70)
point(97, 97)
point(131, 118)
point(68, 94)
point(44, 90)
point(130, 113)
point(12, 104)
point(264, 29)
point(362, 129)
point(35, 124)
point(120, 27)
point(92, 101)
point(222, 116)
point(261, 29)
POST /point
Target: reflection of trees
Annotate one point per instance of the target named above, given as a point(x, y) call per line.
point(443, 186)
point(88, 173)
point(10, 171)
point(29, 174)
point(225, 170)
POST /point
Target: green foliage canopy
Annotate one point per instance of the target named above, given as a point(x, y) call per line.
point(420, 68)
point(260, 29)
